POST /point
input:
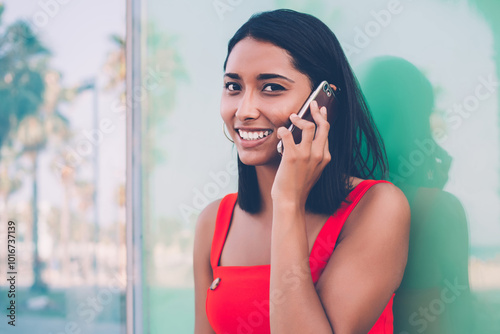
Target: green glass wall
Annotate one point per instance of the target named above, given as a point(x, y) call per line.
point(429, 70)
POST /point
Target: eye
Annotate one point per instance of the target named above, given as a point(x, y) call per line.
point(273, 87)
point(232, 86)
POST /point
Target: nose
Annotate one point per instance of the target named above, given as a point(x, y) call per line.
point(247, 108)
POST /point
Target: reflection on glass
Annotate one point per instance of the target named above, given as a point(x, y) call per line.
point(170, 44)
point(167, 243)
point(434, 296)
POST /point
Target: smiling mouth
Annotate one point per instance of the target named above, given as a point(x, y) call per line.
point(253, 135)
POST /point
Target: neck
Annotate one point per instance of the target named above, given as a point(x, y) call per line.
point(265, 179)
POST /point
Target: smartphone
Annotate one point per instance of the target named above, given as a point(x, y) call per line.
point(325, 96)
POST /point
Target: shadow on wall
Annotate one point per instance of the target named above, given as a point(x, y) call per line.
point(434, 296)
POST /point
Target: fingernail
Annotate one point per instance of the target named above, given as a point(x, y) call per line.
point(294, 115)
point(323, 110)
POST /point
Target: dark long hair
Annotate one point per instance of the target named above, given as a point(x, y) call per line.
point(355, 144)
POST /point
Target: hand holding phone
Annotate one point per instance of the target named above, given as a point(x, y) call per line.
point(324, 95)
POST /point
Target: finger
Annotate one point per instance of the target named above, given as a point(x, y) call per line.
point(326, 153)
point(323, 127)
point(308, 128)
point(319, 114)
point(320, 117)
point(286, 137)
point(320, 148)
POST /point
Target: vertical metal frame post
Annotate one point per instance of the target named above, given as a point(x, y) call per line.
point(134, 295)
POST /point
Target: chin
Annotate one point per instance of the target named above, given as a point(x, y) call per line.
point(259, 159)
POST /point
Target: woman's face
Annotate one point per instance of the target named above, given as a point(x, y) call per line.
point(261, 90)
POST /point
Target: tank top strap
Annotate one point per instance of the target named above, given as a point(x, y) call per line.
point(222, 223)
point(327, 238)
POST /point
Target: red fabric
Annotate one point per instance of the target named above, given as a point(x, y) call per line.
point(240, 302)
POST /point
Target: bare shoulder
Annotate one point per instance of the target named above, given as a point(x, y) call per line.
point(209, 213)
point(383, 207)
point(386, 194)
point(203, 235)
point(387, 197)
point(205, 225)
point(202, 271)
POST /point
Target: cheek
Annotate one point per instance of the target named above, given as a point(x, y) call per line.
point(280, 112)
point(224, 114)
point(279, 117)
point(227, 109)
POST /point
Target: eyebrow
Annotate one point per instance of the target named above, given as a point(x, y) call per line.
point(262, 76)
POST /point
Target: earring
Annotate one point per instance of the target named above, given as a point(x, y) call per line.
point(225, 134)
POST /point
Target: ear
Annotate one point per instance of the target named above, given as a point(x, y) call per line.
point(334, 87)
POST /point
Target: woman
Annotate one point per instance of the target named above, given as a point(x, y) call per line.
point(308, 244)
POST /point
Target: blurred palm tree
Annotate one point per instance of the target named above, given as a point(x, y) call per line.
point(115, 66)
point(11, 175)
point(23, 61)
point(60, 135)
point(162, 72)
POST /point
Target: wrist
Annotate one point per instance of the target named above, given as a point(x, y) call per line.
point(288, 207)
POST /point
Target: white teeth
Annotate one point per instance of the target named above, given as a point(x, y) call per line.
point(253, 135)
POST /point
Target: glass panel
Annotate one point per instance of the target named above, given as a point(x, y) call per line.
point(62, 166)
point(430, 73)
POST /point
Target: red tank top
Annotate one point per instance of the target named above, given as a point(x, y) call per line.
point(238, 299)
